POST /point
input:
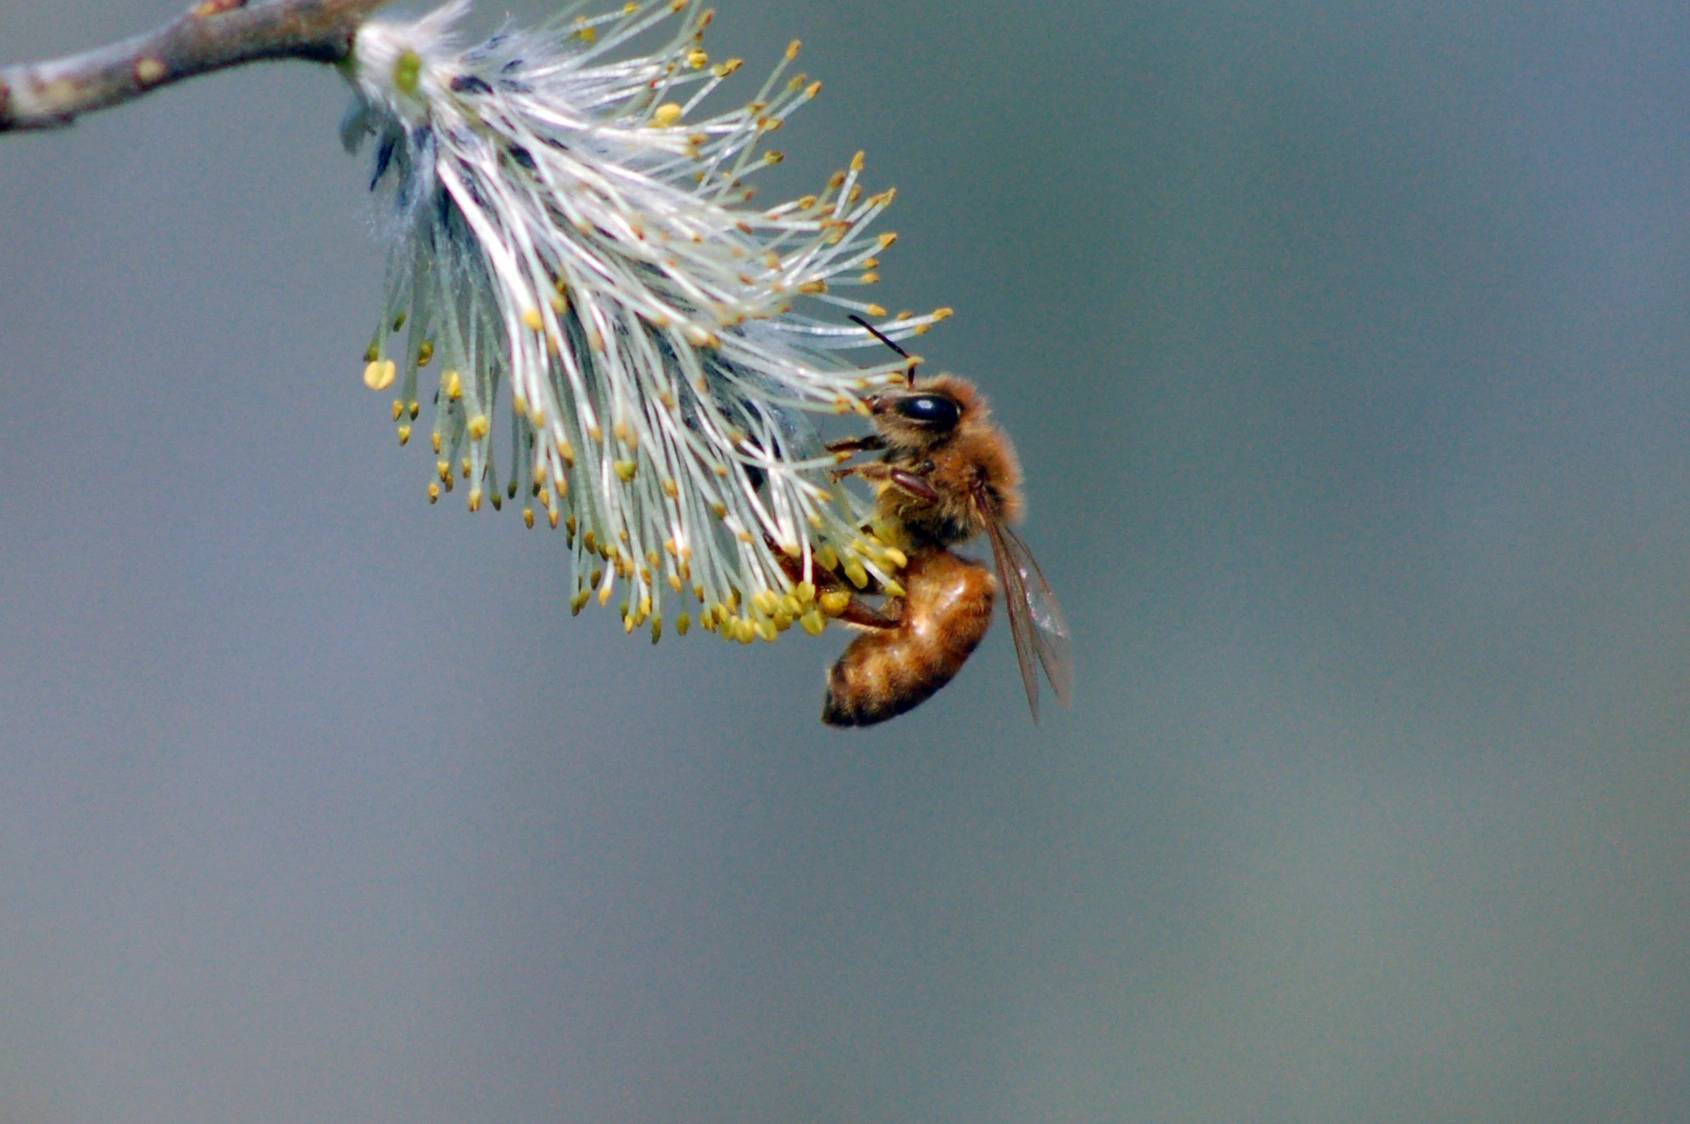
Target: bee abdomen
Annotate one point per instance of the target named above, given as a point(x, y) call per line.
point(946, 610)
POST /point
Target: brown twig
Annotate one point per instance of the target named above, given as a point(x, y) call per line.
point(213, 35)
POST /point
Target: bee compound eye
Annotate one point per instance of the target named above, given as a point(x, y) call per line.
point(933, 410)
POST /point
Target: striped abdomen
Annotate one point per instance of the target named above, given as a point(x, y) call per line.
point(946, 608)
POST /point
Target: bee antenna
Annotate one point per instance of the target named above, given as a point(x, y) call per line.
point(888, 341)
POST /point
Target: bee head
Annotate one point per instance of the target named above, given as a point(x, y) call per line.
point(912, 418)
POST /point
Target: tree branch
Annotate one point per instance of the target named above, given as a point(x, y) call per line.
point(213, 35)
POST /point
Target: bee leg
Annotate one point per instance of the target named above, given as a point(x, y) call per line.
point(873, 442)
point(857, 612)
point(860, 614)
point(879, 472)
point(873, 471)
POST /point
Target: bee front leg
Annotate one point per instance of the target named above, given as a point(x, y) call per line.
point(851, 446)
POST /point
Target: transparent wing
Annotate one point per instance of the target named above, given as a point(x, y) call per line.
point(1035, 619)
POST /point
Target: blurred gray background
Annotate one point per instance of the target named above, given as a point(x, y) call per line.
point(1346, 348)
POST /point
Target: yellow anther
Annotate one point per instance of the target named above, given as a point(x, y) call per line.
point(826, 557)
point(578, 602)
point(767, 630)
point(698, 59)
point(887, 238)
point(605, 592)
point(552, 516)
point(893, 589)
point(789, 606)
point(425, 352)
point(528, 517)
point(857, 161)
point(532, 320)
point(766, 601)
point(444, 470)
point(875, 310)
point(406, 70)
point(683, 624)
point(805, 592)
point(625, 470)
point(855, 572)
point(666, 114)
point(625, 433)
point(834, 602)
point(670, 489)
point(464, 466)
point(793, 48)
point(479, 426)
point(404, 434)
point(475, 499)
point(398, 409)
point(379, 374)
point(723, 69)
point(434, 439)
point(773, 157)
point(597, 434)
point(433, 492)
point(895, 556)
point(813, 287)
point(587, 34)
point(813, 89)
point(453, 385)
point(675, 582)
point(656, 629)
point(702, 337)
point(566, 452)
point(813, 622)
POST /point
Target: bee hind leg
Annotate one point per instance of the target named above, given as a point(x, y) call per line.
point(857, 612)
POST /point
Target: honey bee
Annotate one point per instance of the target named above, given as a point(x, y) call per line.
point(946, 475)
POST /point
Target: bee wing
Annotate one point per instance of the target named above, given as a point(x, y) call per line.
point(1035, 619)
